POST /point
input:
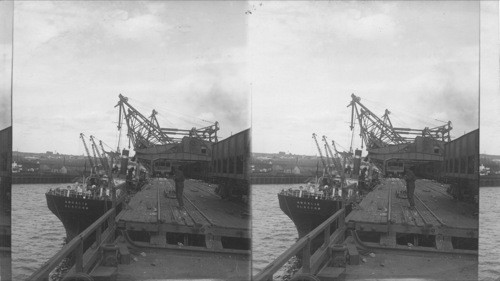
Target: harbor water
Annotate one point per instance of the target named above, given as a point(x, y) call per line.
point(489, 229)
point(272, 231)
point(37, 234)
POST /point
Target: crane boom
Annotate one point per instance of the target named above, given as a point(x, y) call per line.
point(95, 157)
point(319, 150)
point(337, 163)
point(101, 158)
point(146, 132)
point(328, 157)
point(378, 132)
point(92, 166)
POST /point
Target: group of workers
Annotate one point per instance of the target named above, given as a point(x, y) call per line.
point(327, 187)
point(330, 187)
point(178, 177)
point(364, 184)
point(90, 190)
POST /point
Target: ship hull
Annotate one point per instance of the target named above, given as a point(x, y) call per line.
point(76, 214)
point(307, 212)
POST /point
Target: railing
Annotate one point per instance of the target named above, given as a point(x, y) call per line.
point(76, 194)
point(83, 263)
point(310, 263)
point(321, 195)
point(93, 195)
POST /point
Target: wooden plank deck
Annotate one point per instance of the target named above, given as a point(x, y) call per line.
point(167, 264)
point(204, 212)
point(435, 213)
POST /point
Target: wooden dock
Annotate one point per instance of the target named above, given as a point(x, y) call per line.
point(168, 264)
point(207, 223)
point(438, 221)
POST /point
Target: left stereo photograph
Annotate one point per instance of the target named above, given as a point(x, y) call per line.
point(131, 141)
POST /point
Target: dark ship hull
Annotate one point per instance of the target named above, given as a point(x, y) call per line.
point(76, 213)
point(307, 212)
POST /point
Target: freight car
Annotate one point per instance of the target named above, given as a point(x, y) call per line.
point(229, 165)
point(461, 166)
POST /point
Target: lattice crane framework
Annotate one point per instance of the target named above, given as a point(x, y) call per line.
point(337, 162)
point(376, 132)
point(102, 159)
point(319, 150)
point(92, 165)
point(146, 132)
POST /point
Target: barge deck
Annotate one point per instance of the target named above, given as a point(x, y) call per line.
point(208, 223)
point(438, 221)
point(157, 264)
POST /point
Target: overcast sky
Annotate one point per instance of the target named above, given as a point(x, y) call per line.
point(490, 74)
point(187, 60)
point(5, 62)
point(417, 59)
point(297, 62)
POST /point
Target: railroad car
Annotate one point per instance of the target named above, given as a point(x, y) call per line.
point(461, 166)
point(229, 165)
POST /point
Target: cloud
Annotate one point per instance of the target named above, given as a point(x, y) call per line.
point(370, 27)
point(136, 28)
point(300, 25)
point(449, 98)
point(224, 105)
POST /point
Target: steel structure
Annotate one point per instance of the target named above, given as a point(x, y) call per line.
point(319, 150)
point(376, 132)
point(336, 158)
point(92, 165)
point(102, 158)
point(343, 155)
point(328, 161)
point(146, 132)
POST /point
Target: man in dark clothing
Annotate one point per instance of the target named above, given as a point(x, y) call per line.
point(179, 186)
point(362, 181)
point(410, 185)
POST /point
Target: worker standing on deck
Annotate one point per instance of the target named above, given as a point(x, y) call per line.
point(410, 185)
point(179, 186)
point(362, 181)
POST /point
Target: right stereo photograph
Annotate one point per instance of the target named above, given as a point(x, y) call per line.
point(368, 161)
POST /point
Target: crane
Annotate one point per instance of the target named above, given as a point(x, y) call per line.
point(329, 163)
point(95, 157)
point(335, 158)
point(378, 132)
point(92, 166)
point(319, 150)
point(374, 132)
point(103, 161)
point(146, 132)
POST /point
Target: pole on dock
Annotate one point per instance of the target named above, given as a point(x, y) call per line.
point(158, 216)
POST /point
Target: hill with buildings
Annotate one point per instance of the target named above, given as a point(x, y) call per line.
point(49, 162)
point(489, 164)
point(284, 163)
